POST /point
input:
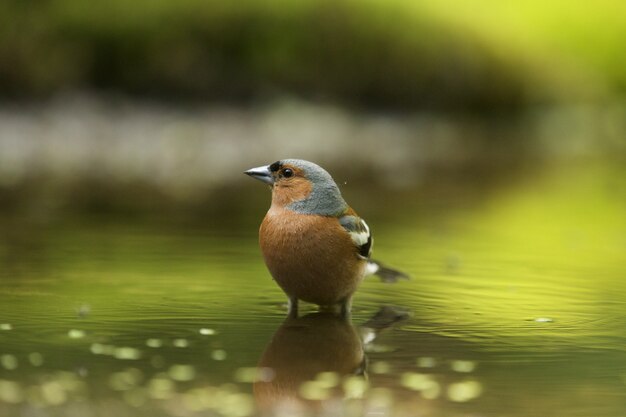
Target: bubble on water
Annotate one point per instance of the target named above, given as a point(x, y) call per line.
point(6, 326)
point(161, 388)
point(9, 362)
point(181, 343)
point(425, 384)
point(182, 373)
point(11, 392)
point(420, 382)
point(464, 391)
point(35, 358)
point(328, 379)
point(125, 380)
point(313, 390)
point(355, 386)
point(154, 343)
point(426, 362)
point(380, 367)
point(219, 354)
point(96, 348)
point(69, 381)
point(432, 391)
point(100, 349)
point(76, 334)
point(463, 366)
point(543, 320)
point(53, 393)
point(207, 332)
point(127, 353)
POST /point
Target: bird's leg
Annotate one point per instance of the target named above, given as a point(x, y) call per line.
point(361, 370)
point(292, 307)
point(346, 307)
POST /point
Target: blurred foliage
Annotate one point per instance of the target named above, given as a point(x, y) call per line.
point(448, 54)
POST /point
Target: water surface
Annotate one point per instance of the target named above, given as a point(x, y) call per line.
point(517, 307)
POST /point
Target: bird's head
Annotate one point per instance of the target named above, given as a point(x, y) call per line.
point(301, 186)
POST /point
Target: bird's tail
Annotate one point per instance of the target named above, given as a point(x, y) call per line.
point(385, 273)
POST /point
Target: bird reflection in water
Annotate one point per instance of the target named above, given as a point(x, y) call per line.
point(316, 361)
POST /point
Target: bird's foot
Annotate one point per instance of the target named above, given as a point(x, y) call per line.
point(346, 308)
point(292, 308)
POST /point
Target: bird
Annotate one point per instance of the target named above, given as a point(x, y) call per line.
point(314, 244)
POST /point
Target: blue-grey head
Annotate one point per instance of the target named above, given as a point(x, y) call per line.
point(301, 186)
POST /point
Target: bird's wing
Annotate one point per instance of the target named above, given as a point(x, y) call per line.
point(359, 232)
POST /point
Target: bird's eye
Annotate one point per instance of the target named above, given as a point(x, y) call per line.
point(287, 173)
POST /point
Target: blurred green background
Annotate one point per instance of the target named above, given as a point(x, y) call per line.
point(484, 142)
point(167, 96)
point(407, 54)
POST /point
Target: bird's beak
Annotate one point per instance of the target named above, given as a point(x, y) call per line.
point(262, 174)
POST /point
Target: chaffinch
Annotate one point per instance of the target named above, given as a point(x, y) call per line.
point(314, 244)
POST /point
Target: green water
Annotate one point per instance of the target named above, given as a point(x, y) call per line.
point(517, 307)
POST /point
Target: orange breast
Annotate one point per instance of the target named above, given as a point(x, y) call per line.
point(311, 257)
